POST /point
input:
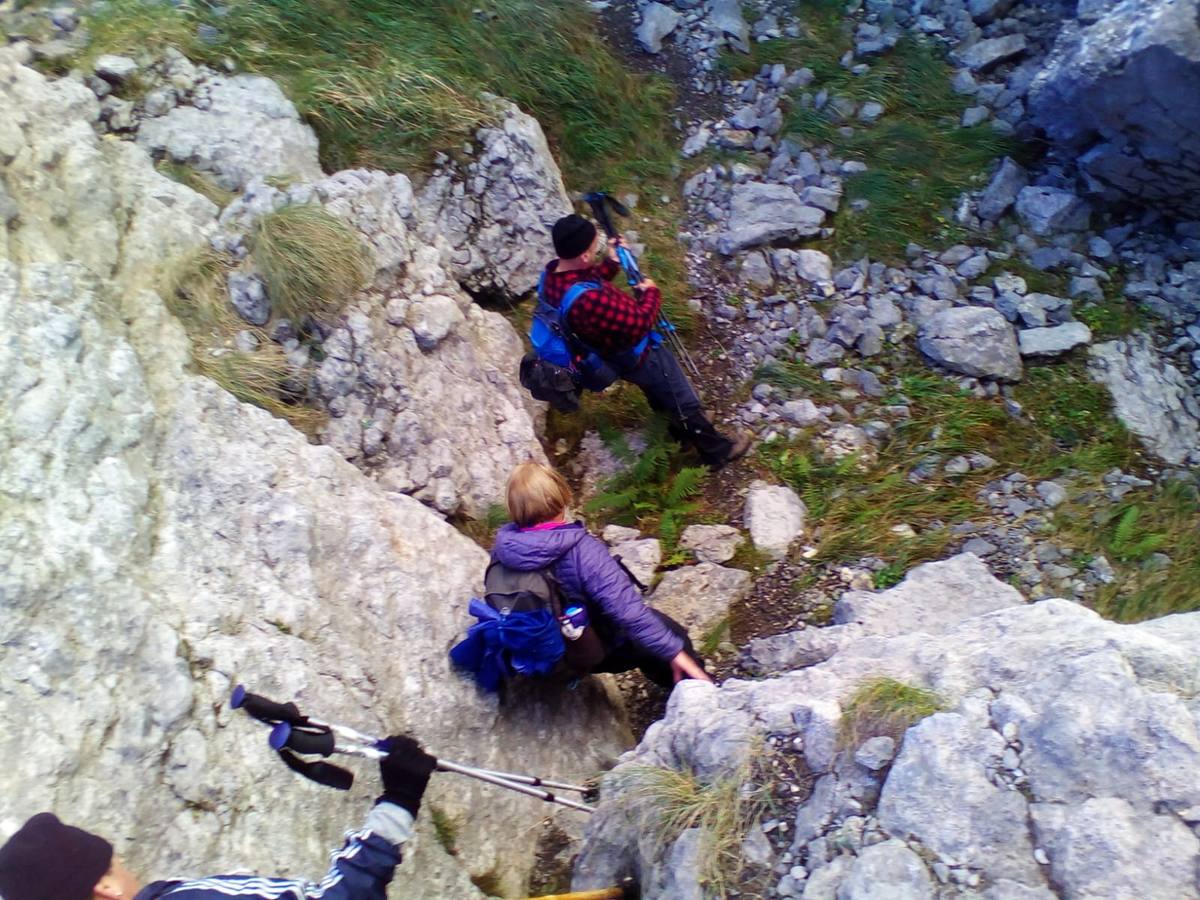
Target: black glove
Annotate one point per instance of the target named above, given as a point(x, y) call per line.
point(405, 772)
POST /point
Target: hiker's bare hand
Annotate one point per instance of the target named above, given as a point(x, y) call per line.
point(683, 666)
point(613, 244)
point(645, 284)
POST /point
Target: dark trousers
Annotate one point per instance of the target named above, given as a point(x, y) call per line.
point(629, 655)
point(669, 392)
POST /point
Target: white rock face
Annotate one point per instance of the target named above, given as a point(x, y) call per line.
point(972, 340)
point(1150, 396)
point(495, 212)
point(419, 380)
point(1067, 754)
point(162, 542)
point(775, 515)
point(250, 130)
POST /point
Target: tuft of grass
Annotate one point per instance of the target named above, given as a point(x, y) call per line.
point(139, 29)
point(197, 181)
point(1166, 522)
point(311, 261)
point(796, 376)
point(445, 829)
point(884, 706)
point(196, 294)
point(713, 637)
point(909, 198)
point(725, 810)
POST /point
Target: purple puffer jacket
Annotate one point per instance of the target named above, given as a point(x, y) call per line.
point(587, 573)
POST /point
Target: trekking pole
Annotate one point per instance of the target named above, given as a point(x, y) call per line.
point(600, 201)
point(292, 732)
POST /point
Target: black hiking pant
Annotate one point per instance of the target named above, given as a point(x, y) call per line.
point(631, 656)
point(669, 392)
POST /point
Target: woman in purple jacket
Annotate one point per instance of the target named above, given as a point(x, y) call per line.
point(540, 536)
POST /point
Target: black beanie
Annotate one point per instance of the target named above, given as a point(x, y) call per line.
point(572, 236)
point(47, 860)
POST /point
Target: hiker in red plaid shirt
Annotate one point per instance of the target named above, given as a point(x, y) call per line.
point(610, 322)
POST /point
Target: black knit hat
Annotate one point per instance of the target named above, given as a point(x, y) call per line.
point(572, 236)
point(47, 860)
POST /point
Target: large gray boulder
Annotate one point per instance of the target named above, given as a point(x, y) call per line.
point(934, 597)
point(1002, 190)
point(1120, 92)
point(163, 541)
point(972, 340)
point(1065, 760)
point(495, 210)
point(249, 129)
point(1045, 210)
point(762, 213)
point(1150, 397)
point(699, 597)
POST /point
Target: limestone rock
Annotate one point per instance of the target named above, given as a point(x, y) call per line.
point(249, 129)
point(1103, 714)
point(972, 340)
point(699, 596)
point(496, 210)
point(1002, 190)
point(933, 598)
point(712, 543)
point(775, 515)
point(173, 542)
point(990, 52)
point(762, 213)
point(1150, 397)
point(641, 557)
point(1118, 92)
point(658, 21)
point(725, 17)
point(1053, 341)
point(115, 69)
point(1045, 210)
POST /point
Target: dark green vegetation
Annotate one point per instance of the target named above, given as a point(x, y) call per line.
point(654, 490)
point(919, 159)
point(1067, 427)
point(1133, 537)
point(884, 706)
point(385, 82)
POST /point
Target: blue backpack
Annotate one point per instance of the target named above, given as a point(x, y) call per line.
point(561, 365)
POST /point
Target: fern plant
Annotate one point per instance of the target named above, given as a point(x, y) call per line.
point(1129, 544)
point(650, 491)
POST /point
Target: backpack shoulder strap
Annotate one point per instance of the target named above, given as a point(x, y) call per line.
point(574, 292)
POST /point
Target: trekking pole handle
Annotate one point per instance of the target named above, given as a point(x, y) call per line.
point(264, 710)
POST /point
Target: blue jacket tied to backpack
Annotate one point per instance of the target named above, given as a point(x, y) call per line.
point(587, 575)
point(528, 643)
point(360, 870)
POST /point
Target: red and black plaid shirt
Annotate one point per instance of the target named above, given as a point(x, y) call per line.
point(608, 320)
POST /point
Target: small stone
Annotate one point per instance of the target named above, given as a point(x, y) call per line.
point(1052, 493)
point(876, 753)
point(115, 69)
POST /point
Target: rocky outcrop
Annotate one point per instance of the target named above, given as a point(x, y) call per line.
point(240, 128)
point(1063, 743)
point(1150, 397)
point(412, 342)
point(1120, 92)
point(162, 541)
point(495, 207)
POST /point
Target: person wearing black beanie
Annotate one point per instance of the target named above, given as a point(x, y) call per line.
point(620, 329)
point(47, 860)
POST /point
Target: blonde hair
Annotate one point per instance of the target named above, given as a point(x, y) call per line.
point(535, 494)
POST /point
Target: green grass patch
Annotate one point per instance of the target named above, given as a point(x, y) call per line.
point(483, 530)
point(445, 829)
point(385, 82)
point(798, 377)
point(197, 181)
point(311, 261)
point(884, 706)
point(920, 160)
point(1130, 535)
point(855, 503)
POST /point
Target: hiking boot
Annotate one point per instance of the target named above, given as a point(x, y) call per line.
point(741, 444)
